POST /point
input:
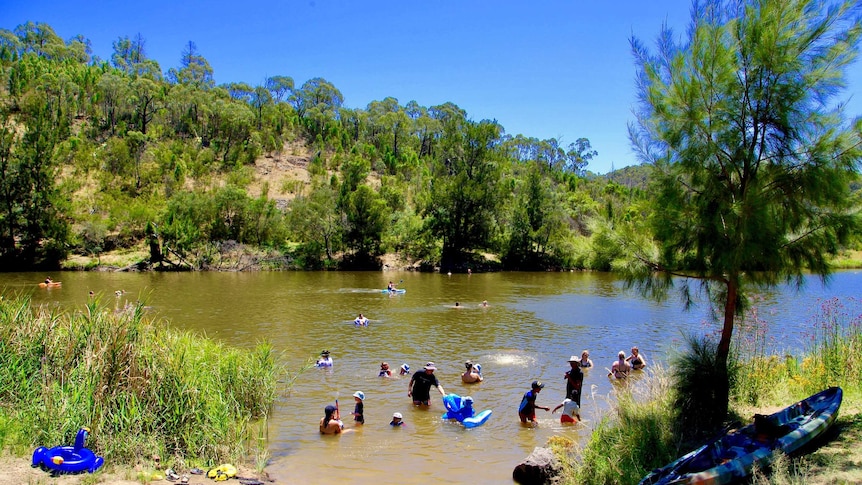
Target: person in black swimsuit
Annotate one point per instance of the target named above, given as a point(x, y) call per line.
point(636, 360)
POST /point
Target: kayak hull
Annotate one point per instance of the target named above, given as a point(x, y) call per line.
point(732, 456)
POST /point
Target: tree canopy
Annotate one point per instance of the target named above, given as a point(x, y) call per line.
point(753, 154)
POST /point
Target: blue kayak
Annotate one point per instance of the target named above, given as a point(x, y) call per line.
point(393, 291)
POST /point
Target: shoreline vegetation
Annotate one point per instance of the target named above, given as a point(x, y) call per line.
point(645, 429)
point(153, 397)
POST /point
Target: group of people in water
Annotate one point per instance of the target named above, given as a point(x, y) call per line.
point(421, 383)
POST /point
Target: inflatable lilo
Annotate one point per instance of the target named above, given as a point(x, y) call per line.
point(68, 459)
point(462, 411)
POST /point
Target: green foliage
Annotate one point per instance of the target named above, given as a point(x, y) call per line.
point(753, 163)
point(635, 437)
point(697, 403)
point(142, 388)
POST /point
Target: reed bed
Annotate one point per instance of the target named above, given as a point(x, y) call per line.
point(145, 390)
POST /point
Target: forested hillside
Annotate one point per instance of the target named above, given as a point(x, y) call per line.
point(97, 155)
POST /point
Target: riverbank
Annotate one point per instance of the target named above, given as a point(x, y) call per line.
point(153, 397)
point(646, 430)
point(245, 258)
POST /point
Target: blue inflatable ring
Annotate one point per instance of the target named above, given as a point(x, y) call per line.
point(68, 459)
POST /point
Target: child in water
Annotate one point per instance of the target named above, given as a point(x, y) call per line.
point(571, 411)
point(358, 410)
point(384, 370)
point(396, 420)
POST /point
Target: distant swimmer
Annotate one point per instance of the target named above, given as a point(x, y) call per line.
point(361, 321)
point(384, 370)
point(325, 360)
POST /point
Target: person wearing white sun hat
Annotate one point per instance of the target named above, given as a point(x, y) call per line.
point(420, 385)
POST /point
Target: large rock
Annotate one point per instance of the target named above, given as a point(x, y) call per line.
point(540, 468)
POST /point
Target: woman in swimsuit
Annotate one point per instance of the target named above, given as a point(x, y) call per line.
point(585, 359)
point(636, 360)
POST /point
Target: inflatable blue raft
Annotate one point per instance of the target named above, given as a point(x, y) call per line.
point(462, 411)
point(68, 459)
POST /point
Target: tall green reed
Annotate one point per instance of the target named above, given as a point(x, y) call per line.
point(143, 388)
point(635, 436)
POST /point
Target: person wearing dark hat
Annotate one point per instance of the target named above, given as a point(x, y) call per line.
point(331, 423)
point(420, 385)
point(527, 409)
point(472, 373)
point(574, 380)
point(325, 360)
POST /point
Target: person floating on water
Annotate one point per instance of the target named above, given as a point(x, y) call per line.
point(420, 385)
point(574, 380)
point(359, 409)
point(361, 321)
point(472, 374)
point(528, 406)
point(620, 368)
point(384, 370)
point(636, 360)
point(325, 360)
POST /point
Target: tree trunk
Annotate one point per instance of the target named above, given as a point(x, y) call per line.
point(722, 385)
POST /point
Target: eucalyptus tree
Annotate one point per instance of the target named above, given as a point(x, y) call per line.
point(317, 103)
point(464, 195)
point(130, 56)
point(279, 87)
point(751, 152)
point(366, 219)
point(194, 69)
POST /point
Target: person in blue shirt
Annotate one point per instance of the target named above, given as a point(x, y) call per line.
point(527, 409)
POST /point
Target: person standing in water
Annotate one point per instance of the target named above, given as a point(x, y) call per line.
point(420, 385)
point(325, 360)
point(574, 380)
point(331, 423)
point(528, 406)
point(359, 408)
point(636, 360)
point(472, 374)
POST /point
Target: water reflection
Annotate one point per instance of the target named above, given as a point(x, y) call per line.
point(535, 321)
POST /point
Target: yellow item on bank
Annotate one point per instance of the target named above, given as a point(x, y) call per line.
point(222, 472)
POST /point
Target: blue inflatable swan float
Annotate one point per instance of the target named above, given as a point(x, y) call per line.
point(461, 409)
point(68, 459)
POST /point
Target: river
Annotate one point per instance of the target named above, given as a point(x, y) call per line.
point(532, 324)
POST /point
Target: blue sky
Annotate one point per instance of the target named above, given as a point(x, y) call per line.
point(543, 69)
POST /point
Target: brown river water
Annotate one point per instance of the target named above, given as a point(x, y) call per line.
point(532, 324)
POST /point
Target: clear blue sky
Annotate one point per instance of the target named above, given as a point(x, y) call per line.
point(550, 68)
